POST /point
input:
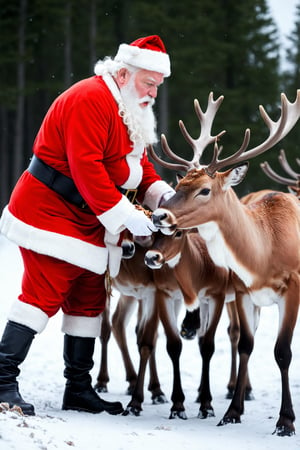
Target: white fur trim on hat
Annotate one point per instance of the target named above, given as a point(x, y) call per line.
point(144, 59)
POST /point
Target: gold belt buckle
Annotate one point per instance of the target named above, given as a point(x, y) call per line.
point(131, 194)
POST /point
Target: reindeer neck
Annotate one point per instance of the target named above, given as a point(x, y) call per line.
point(235, 239)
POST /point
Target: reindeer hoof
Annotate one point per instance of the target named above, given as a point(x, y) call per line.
point(228, 419)
point(188, 334)
point(229, 394)
point(249, 395)
point(284, 431)
point(131, 411)
point(180, 414)
point(159, 399)
point(209, 412)
point(130, 390)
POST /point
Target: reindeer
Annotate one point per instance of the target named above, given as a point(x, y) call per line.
point(137, 289)
point(293, 184)
point(167, 300)
point(204, 290)
point(258, 242)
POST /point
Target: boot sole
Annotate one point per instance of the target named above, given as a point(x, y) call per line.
point(76, 408)
point(114, 412)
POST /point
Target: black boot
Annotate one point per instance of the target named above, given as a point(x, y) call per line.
point(14, 346)
point(79, 394)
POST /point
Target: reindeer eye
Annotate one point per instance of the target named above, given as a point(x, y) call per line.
point(204, 191)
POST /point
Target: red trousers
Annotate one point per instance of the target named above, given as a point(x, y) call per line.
point(50, 284)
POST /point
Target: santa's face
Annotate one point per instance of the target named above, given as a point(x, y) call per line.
point(146, 84)
point(139, 91)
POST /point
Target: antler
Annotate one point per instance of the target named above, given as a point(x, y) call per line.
point(285, 165)
point(198, 145)
point(294, 181)
point(290, 113)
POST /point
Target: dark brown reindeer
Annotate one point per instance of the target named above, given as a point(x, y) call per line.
point(259, 242)
point(293, 183)
point(137, 291)
point(204, 289)
point(161, 298)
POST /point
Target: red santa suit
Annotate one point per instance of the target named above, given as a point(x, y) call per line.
point(83, 137)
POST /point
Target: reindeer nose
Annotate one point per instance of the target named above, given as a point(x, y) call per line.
point(158, 218)
point(128, 249)
point(153, 259)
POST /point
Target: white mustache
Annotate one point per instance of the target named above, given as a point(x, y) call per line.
point(147, 99)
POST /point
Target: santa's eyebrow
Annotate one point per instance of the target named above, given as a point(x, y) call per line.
point(152, 80)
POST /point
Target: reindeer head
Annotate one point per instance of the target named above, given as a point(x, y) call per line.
point(202, 192)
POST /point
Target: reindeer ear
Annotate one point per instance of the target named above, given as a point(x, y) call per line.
point(179, 177)
point(235, 175)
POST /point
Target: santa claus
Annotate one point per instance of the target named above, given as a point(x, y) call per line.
point(69, 208)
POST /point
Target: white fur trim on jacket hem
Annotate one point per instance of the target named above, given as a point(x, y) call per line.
point(155, 192)
point(28, 315)
point(113, 219)
point(66, 248)
point(81, 326)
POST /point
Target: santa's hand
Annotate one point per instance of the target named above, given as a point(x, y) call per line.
point(139, 224)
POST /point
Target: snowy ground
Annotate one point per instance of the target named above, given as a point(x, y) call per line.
point(42, 383)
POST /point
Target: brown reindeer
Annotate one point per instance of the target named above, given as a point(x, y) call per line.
point(168, 300)
point(259, 242)
point(204, 290)
point(137, 290)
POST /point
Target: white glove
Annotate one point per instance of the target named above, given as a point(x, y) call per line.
point(139, 224)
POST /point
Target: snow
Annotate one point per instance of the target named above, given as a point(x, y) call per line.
point(42, 383)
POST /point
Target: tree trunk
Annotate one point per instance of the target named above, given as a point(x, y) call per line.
point(4, 158)
point(19, 130)
point(68, 45)
point(93, 34)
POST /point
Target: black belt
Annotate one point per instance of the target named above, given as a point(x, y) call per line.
point(56, 181)
point(64, 185)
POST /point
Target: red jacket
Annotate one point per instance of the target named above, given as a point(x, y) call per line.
point(82, 136)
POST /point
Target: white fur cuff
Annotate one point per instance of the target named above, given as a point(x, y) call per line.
point(81, 326)
point(28, 315)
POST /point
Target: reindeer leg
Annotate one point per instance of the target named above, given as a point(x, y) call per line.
point(124, 309)
point(146, 338)
point(103, 377)
point(248, 316)
point(234, 335)
point(168, 318)
point(158, 397)
point(207, 348)
point(288, 311)
point(233, 331)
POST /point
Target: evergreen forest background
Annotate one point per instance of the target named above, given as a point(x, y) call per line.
point(230, 48)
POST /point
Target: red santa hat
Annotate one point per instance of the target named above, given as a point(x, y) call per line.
point(146, 53)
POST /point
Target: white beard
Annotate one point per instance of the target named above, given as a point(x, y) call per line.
point(140, 121)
